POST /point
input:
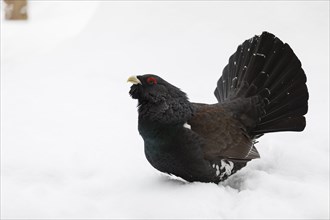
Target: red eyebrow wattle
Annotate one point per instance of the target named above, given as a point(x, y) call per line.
point(152, 80)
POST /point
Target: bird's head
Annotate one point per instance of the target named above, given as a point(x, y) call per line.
point(159, 100)
point(148, 88)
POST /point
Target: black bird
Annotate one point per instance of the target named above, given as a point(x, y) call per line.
point(262, 89)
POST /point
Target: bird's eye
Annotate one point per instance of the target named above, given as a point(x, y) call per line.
point(152, 81)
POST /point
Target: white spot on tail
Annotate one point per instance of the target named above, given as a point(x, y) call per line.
point(228, 166)
point(218, 170)
point(186, 125)
point(267, 100)
point(225, 168)
point(259, 54)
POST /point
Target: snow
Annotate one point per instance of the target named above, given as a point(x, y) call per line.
point(69, 141)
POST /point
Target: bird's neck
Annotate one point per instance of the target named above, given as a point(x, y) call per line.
point(160, 122)
point(168, 112)
point(151, 129)
point(158, 135)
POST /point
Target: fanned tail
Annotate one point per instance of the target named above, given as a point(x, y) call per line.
point(265, 86)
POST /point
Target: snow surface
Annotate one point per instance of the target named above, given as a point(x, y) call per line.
point(69, 141)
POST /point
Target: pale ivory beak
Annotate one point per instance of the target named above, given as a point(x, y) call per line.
point(134, 80)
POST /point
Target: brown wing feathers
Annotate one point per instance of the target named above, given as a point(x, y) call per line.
point(225, 137)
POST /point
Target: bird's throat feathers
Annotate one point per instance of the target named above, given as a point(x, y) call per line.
point(170, 110)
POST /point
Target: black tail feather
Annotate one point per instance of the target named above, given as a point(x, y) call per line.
point(284, 124)
point(265, 68)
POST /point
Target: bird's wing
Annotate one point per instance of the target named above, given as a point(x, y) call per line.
point(225, 137)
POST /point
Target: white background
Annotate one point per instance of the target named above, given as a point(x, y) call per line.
point(69, 141)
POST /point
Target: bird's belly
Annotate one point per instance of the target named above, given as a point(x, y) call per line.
point(184, 158)
point(190, 169)
point(162, 160)
point(209, 172)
